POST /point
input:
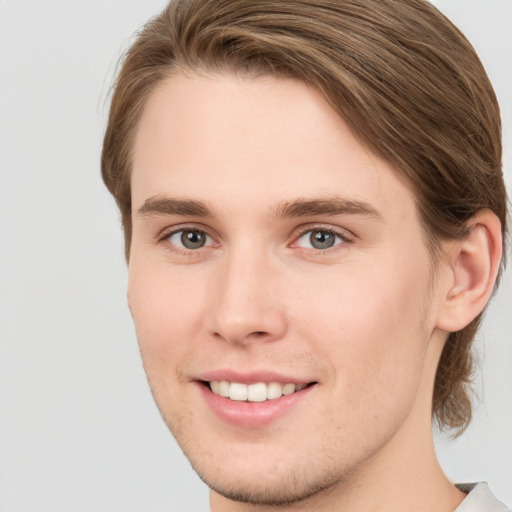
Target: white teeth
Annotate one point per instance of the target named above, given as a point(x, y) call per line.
point(258, 392)
point(274, 390)
point(223, 388)
point(288, 389)
point(238, 391)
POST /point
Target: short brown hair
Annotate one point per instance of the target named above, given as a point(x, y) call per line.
point(404, 79)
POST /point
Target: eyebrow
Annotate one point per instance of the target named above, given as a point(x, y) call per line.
point(300, 207)
point(173, 206)
point(326, 206)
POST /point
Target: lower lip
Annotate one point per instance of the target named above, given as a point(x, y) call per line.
point(253, 414)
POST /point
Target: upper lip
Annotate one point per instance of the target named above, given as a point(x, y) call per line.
point(251, 377)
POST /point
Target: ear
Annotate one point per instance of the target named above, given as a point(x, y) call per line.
point(473, 265)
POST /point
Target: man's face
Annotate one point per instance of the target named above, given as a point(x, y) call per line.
point(270, 247)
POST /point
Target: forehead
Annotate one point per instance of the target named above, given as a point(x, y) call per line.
point(254, 141)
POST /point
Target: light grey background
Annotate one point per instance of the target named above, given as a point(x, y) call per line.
point(78, 428)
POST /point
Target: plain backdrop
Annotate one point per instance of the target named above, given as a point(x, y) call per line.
point(78, 428)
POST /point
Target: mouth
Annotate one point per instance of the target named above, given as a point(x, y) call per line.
point(257, 392)
point(254, 399)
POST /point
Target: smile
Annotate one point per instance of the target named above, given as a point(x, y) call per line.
point(258, 392)
point(251, 400)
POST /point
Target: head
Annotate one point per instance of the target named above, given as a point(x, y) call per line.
point(404, 83)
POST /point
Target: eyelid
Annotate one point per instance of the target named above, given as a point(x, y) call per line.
point(186, 226)
point(345, 235)
point(164, 237)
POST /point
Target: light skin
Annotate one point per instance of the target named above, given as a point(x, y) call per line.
point(268, 241)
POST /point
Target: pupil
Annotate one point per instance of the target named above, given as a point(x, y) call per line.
point(322, 239)
point(193, 239)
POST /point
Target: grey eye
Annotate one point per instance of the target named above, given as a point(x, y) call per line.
point(190, 239)
point(322, 239)
point(319, 239)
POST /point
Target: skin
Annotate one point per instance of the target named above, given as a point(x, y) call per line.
point(364, 319)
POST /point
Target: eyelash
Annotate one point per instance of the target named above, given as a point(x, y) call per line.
point(166, 235)
point(342, 237)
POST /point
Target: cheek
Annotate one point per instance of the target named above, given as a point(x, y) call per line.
point(166, 311)
point(371, 326)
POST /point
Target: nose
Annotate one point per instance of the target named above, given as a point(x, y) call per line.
point(245, 303)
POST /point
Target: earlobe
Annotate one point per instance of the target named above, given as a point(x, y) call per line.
point(474, 265)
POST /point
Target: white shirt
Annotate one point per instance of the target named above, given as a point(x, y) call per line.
point(479, 499)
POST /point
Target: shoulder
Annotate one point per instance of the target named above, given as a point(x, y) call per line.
point(479, 499)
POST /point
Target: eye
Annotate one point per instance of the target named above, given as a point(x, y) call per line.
point(320, 239)
point(190, 239)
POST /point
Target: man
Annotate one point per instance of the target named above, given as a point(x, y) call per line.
point(315, 218)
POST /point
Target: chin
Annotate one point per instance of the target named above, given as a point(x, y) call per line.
point(265, 488)
point(262, 474)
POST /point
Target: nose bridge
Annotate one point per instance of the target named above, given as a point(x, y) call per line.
point(245, 303)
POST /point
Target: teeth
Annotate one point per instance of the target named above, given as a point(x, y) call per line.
point(238, 392)
point(223, 388)
point(274, 390)
point(258, 392)
point(288, 389)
